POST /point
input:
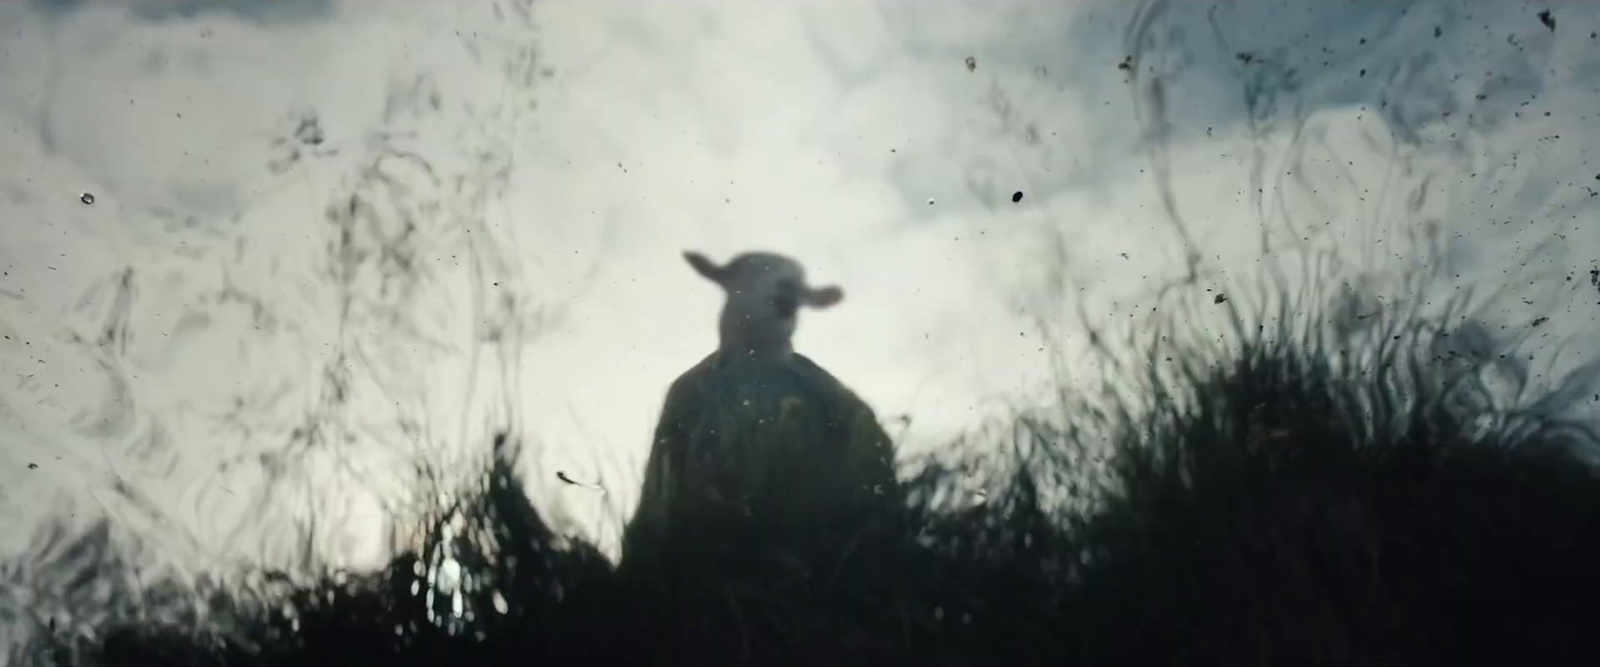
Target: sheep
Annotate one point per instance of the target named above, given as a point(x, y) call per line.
point(756, 439)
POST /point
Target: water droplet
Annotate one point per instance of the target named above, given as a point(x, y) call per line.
point(87, 198)
point(938, 613)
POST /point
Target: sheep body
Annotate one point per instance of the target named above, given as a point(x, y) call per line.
point(758, 441)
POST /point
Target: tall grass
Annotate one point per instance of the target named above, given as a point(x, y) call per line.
point(1297, 488)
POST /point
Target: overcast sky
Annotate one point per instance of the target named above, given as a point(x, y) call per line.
point(515, 259)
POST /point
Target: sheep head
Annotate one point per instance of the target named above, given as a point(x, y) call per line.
point(764, 294)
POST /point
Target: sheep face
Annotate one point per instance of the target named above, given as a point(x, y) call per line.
point(764, 294)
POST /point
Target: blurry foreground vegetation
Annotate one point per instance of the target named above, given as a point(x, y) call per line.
point(1299, 490)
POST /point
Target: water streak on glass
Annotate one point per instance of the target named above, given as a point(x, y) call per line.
point(279, 278)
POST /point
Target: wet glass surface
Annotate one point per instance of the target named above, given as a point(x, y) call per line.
point(278, 274)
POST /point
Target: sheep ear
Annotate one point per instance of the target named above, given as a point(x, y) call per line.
point(705, 267)
point(823, 297)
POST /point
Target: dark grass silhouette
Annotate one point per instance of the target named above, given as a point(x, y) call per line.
point(1313, 491)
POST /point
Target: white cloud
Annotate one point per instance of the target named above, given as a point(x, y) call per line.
point(818, 130)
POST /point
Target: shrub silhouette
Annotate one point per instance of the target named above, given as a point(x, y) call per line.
point(1303, 495)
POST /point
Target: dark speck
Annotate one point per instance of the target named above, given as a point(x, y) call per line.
point(1016, 196)
point(1541, 320)
point(87, 198)
point(1220, 298)
point(1548, 20)
point(972, 63)
point(1437, 31)
point(33, 466)
point(309, 132)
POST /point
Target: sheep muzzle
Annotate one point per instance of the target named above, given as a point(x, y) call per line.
point(786, 304)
